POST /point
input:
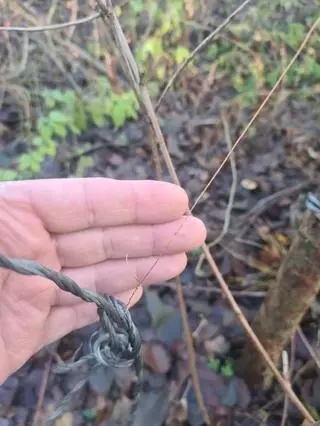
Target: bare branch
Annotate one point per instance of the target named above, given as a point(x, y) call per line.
point(233, 185)
point(263, 104)
point(309, 348)
point(201, 46)
point(129, 67)
point(53, 26)
point(232, 194)
point(132, 72)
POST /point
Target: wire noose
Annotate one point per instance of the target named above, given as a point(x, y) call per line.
point(116, 343)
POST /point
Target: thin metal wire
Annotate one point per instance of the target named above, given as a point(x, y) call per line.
point(117, 342)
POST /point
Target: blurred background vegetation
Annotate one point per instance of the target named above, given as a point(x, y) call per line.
point(66, 110)
point(59, 98)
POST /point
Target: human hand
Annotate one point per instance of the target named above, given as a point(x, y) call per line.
point(104, 234)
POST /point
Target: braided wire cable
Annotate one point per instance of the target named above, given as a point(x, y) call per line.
point(116, 343)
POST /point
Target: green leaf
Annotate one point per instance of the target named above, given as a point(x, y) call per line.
point(161, 72)
point(80, 117)
point(119, 114)
point(295, 35)
point(8, 175)
point(95, 108)
point(35, 167)
point(84, 163)
point(214, 363)
point(98, 118)
point(25, 162)
point(153, 47)
point(46, 149)
point(52, 149)
point(103, 85)
point(59, 129)
point(108, 107)
point(56, 116)
point(69, 97)
point(46, 133)
point(137, 6)
point(37, 156)
point(180, 54)
point(49, 102)
point(196, 252)
point(74, 129)
point(41, 123)
point(37, 141)
point(227, 369)
point(89, 415)
point(58, 95)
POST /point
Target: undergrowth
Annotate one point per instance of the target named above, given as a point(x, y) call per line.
point(250, 55)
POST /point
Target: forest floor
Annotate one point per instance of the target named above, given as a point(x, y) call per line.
point(273, 169)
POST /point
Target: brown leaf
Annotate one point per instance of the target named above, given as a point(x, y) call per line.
point(157, 357)
point(65, 420)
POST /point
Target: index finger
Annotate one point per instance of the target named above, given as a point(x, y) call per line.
point(68, 205)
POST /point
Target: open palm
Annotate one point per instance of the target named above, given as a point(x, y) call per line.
point(104, 234)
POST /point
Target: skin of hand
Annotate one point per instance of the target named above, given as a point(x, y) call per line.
point(103, 233)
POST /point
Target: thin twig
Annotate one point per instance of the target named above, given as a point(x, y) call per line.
point(233, 185)
point(51, 12)
point(215, 290)
point(67, 44)
point(74, 8)
point(266, 202)
point(130, 68)
point(286, 374)
point(289, 374)
point(43, 386)
point(243, 321)
point(213, 265)
point(155, 156)
point(308, 347)
point(53, 26)
point(59, 64)
point(132, 72)
point(16, 70)
point(191, 354)
point(263, 104)
point(285, 386)
point(201, 46)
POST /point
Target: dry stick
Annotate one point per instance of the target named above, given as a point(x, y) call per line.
point(15, 71)
point(231, 195)
point(155, 157)
point(284, 384)
point(191, 353)
point(132, 72)
point(309, 348)
point(156, 127)
point(191, 356)
point(286, 302)
point(65, 43)
point(43, 386)
point(52, 11)
point(211, 262)
point(263, 104)
point(286, 372)
point(52, 26)
point(201, 46)
point(205, 289)
point(233, 185)
point(74, 8)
